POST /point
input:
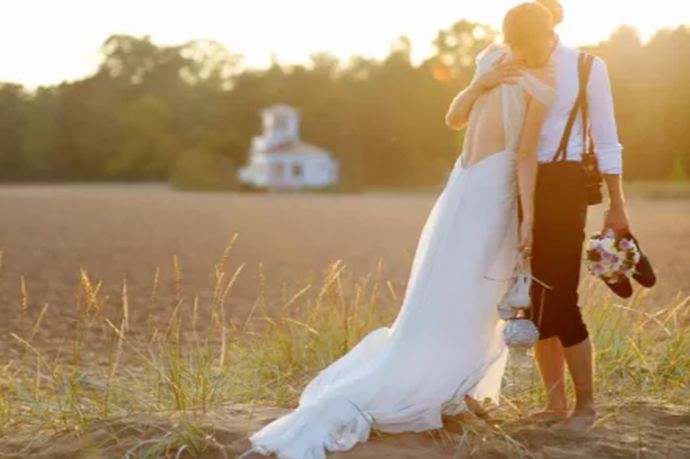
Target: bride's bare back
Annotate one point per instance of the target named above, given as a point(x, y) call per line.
point(487, 132)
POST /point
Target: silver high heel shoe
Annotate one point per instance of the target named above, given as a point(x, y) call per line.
point(520, 332)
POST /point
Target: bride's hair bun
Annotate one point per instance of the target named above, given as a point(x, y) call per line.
point(555, 8)
point(527, 24)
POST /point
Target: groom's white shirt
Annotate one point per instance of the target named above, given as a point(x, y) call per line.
point(604, 132)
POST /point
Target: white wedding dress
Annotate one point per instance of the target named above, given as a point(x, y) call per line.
point(446, 341)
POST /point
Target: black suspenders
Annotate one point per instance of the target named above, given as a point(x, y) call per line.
point(584, 67)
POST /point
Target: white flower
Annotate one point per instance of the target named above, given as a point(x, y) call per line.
point(609, 245)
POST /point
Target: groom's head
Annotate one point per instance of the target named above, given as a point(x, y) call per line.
point(528, 31)
point(555, 8)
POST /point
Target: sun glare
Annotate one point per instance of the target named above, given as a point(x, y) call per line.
point(62, 42)
point(590, 21)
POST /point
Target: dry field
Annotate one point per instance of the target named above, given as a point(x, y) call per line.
point(47, 233)
point(160, 249)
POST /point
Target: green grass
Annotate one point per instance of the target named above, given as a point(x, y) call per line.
point(191, 366)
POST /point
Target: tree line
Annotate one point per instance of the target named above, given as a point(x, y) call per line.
point(187, 113)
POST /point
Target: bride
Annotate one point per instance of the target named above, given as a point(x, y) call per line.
point(445, 347)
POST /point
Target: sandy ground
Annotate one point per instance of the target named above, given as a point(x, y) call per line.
point(49, 232)
point(639, 429)
point(116, 232)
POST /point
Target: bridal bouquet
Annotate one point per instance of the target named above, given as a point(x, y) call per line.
point(611, 258)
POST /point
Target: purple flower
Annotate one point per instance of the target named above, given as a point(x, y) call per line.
point(611, 259)
point(626, 244)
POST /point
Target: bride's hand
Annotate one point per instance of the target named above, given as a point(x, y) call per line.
point(525, 244)
point(502, 72)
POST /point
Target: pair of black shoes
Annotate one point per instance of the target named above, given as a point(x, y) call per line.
point(644, 273)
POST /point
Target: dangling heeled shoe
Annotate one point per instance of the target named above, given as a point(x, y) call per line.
point(644, 273)
point(520, 332)
point(621, 287)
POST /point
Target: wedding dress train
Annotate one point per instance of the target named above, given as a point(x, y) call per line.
point(446, 340)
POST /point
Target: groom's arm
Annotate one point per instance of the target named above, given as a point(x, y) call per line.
point(606, 144)
point(616, 216)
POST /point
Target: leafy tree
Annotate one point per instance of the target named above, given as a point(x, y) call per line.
point(148, 144)
point(41, 136)
point(88, 120)
point(457, 49)
point(202, 169)
point(13, 106)
point(155, 112)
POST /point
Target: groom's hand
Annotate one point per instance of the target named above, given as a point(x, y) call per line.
point(616, 218)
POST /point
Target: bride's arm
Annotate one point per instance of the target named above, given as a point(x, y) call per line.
point(527, 169)
point(461, 106)
point(459, 111)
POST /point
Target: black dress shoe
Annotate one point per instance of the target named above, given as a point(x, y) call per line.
point(622, 287)
point(644, 273)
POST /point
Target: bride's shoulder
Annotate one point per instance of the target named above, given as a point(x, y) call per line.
point(540, 83)
point(492, 53)
point(493, 48)
point(545, 74)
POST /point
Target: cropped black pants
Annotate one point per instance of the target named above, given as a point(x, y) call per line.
point(560, 214)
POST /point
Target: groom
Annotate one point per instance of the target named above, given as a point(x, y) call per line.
point(560, 213)
point(559, 230)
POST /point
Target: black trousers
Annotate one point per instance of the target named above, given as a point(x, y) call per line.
point(560, 214)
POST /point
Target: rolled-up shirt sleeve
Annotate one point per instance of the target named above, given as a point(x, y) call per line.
point(607, 147)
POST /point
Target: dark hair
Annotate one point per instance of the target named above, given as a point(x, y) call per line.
point(527, 24)
point(555, 8)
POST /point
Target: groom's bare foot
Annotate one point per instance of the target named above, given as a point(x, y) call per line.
point(549, 416)
point(581, 420)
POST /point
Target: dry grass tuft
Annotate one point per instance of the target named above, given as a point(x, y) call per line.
point(177, 376)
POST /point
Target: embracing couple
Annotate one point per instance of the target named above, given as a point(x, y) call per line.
point(518, 193)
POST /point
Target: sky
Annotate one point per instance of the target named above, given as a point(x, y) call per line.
point(44, 42)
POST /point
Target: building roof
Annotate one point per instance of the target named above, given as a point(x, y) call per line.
point(294, 146)
point(279, 108)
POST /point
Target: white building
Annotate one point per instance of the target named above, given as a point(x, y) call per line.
point(278, 159)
